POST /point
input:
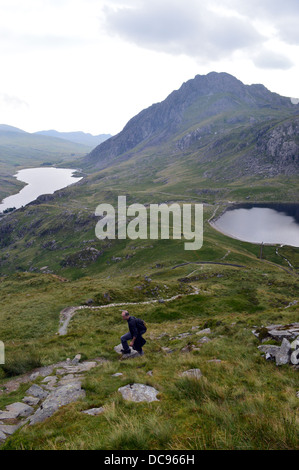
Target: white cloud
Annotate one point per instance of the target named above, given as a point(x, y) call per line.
point(267, 59)
point(179, 27)
point(12, 101)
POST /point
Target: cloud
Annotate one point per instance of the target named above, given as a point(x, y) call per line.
point(179, 27)
point(268, 59)
point(282, 14)
point(12, 101)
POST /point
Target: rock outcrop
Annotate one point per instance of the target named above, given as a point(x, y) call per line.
point(139, 393)
point(287, 352)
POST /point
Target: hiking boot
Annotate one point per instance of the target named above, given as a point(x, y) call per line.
point(125, 351)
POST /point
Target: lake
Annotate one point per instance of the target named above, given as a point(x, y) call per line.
point(261, 223)
point(39, 181)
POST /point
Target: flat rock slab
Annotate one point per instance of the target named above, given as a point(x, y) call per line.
point(60, 397)
point(7, 416)
point(94, 411)
point(37, 392)
point(20, 410)
point(31, 401)
point(139, 393)
point(192, 374)
point(9, 429)
point(132, 354)
point(76, 369)
point(2, 436)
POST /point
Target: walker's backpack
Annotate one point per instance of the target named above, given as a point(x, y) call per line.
point(141, 326)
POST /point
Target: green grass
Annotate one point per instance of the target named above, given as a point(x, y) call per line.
point(242, 403)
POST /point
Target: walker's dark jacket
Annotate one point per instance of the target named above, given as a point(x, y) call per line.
point(139, 342)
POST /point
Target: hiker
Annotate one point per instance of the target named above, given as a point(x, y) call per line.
point(137, 329)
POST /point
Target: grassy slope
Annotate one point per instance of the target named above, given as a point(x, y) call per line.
point(244, 402)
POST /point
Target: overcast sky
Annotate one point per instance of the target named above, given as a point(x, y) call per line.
point(91, 65)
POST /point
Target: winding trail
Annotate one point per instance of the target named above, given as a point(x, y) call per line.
point(67, 313)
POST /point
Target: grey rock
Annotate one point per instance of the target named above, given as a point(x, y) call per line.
point(269, 350)
point(20, 409)
point(192, 373)
point(2, 437)
point(279, 335)
point(139, 393)
point(34, 376)
point(297, 394)
point(295, 357)
point(77, 369)
point(7, 415)
point(31, 401)
point(119, 374)
point(60, 397)
point(9, 429)
point(204, 340)
point(167, 350)
point(76, 359)
point(94, 411)
point(50, 379)
point(150, 373)
point(284, 353)
point(216, 361)
point(187, 348)
point(207, 331)
point(68, 379)
point(126, 356)
point(37, 392)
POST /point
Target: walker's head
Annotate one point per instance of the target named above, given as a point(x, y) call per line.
point(125, 315)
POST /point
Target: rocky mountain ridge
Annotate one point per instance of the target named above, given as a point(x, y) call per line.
point(205, 106)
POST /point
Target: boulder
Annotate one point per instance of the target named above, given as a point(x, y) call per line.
point(269, 350)
point(37, 392)
point(283, 355)
point(60, 397)
point(207, 331)
point(204, 340)
point(192, 374)
point(94, 411)
point(126, 356)
point(76, 359)
point(139, 393)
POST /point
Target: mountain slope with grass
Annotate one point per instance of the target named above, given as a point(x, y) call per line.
point(208, 116)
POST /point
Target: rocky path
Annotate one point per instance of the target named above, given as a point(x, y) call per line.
point(60, 386)
point(67, 314)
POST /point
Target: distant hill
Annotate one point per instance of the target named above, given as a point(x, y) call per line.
point(77, 137)
point(6, 128)
point(223, 128)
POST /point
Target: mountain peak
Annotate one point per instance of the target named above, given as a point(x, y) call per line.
point(204, 98)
